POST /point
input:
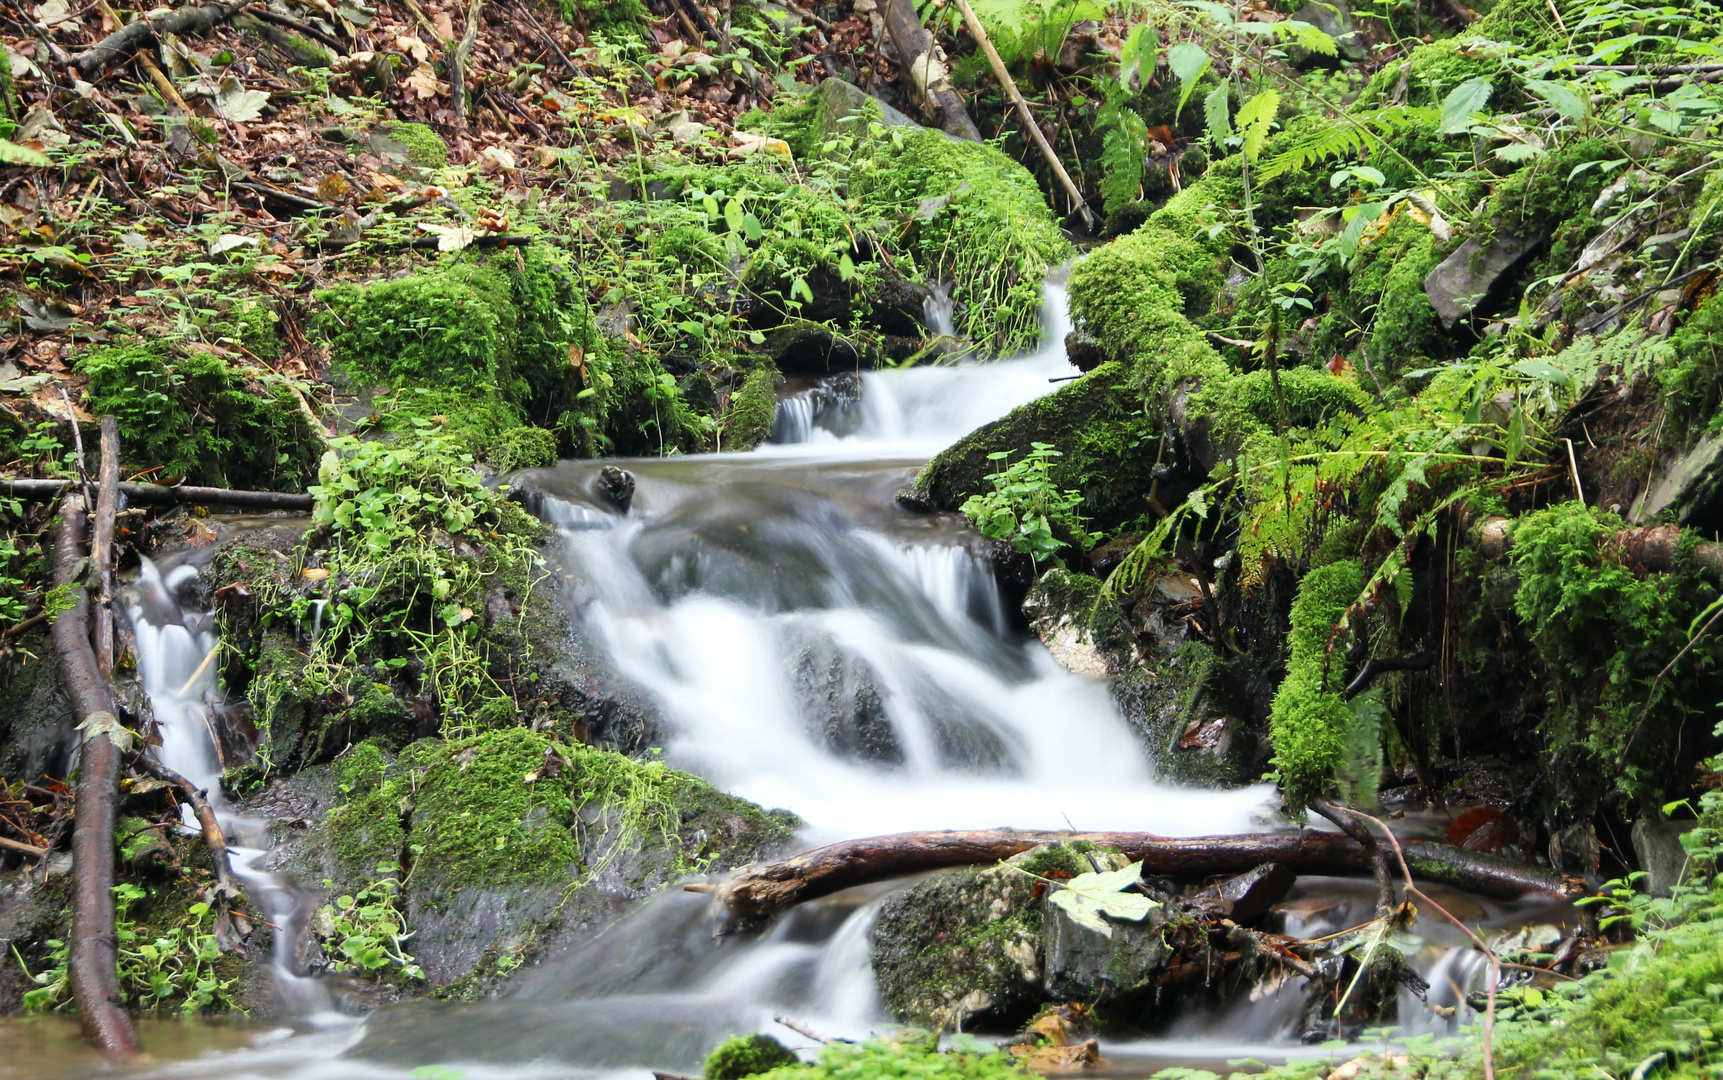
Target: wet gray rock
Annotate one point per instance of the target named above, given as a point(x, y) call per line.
point(1334, 18)
point(1083, 965)
point(1254, 893)
point(1192, 739)
point(616, 487)
point(1475, 273)
point(838, 699)
point(1689, 483)
point(1657, 843)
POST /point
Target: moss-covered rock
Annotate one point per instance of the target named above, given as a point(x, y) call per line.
point(512, 836)
point(425, 148)
point(189, 412)
point(746, 1055)
point(1095, 422)
point(752, 409)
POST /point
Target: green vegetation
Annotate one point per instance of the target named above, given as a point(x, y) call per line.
point(746, 1055)
point(1027, 510)
point(908, 1054)
point(425, 148)
point(1310, 717)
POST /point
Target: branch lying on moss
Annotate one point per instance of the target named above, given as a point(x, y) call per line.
point(227, 888)
point(757, 894)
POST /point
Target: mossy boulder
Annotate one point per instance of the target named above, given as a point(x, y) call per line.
point(424, 147)
point(1095, 422)
point(497, 829)
point(1187, 723)
point(746, 1055)
point(983, 949)
point(190, 412)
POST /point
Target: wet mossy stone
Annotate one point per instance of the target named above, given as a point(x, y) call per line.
point(1191, 737)
point(1096, 424)
point(1310, 717)
point(752, 409)
point(423, 147)
point(747, 1055)
point(192, 414)
point(523, 448)
point(961, 950)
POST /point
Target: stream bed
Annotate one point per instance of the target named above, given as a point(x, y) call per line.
point(811, 645)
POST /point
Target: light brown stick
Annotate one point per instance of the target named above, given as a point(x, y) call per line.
point(1009, 85)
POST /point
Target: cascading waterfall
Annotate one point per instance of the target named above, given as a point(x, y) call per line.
point(811, 645)
point(176, 653)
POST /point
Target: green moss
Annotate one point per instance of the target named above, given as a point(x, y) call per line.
point(693, 246)
point(1312, 397)
point(195, 416)
point(1136, 297)
point(746, 1055)
point(752, 408)
point(8, 98)
point(523, 448)
point(514, 806)
point(1309, 718)
point(425, 148)
point(481, 345)
point(1694, 383)
point(904, 1056)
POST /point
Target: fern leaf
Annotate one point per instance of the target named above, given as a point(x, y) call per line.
point(1341, 140)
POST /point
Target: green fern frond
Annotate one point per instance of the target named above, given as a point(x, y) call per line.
point(1341, 140)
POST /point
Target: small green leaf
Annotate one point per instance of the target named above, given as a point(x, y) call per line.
point(1188, 61)
point(1462, 102)
point(1538, 369)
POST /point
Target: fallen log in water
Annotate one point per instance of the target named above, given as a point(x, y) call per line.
point(93, 955)
point(161, 495)
point(760, 892)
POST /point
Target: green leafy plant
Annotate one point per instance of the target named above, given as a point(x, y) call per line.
point(1027, 509)
point(366, 932)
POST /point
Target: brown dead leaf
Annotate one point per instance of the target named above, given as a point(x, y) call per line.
point(334, 188)
point(423, 83)
point(445, 26)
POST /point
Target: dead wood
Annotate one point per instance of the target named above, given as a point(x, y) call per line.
point(758, 893)
point(102, 544)
point(263, 14)
point(931, 85)
point(1030, 126)
point(458, 63)
point(159, 495)
point(1644, 548)
point(227, 887)
point(194, 19)
point(93, 957)
point(1366, 840)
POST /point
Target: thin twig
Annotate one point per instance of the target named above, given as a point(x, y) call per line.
point(1667, 668)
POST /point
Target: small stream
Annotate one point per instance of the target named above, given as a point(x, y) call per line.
point(811, 645)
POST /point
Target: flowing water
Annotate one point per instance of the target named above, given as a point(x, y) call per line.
point(809, 644)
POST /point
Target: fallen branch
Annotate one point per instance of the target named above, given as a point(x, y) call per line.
point(1376, 665)
point(756, 894)
point(22, 848)
point(1651, 548)
point(158, 495)
point(927, 75)
point(195, 19)
point(1009, 85)
point(93, 955)
point(102, 544)
point(1378, 857)
point(458, 64)
point(227, 886)
point(803, 1030)
point(261, 13)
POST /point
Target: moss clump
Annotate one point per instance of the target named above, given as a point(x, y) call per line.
point(1137, 295)
point(523, 448)
point(995, 238)
point(475, 345)
point(425, 148)
point(514, 806)
point(1312, 396)
point(1602, 630)
point(1309, 719)
point(752, 409)
point(903, 1056)
point(195, 416)
point(693, 246)
point(746, 1055)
